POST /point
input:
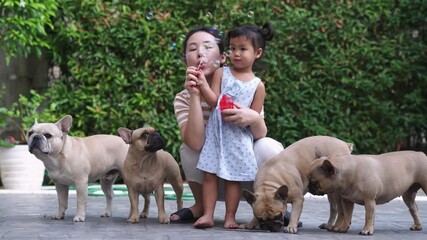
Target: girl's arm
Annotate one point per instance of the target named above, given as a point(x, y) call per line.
point(211, 93)
point(258, 127)
point(258, 101)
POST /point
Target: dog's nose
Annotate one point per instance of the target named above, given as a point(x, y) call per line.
point(34, 142)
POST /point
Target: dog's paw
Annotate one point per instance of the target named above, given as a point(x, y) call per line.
point(58, 217)
point(79, 218)
point(106, 215)
point(325, 226)
point(366, 232)
point(133, 220)
point(416, 227)
point(292, 230)
point(143, 215)
point(339, 229)
point(164, 219)
point(247, 226)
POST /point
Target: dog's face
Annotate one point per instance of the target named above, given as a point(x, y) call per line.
point(268, 210)
point(322, 177)
point(47, 138)
point(146, 138)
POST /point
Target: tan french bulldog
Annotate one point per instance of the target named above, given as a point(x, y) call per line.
point(146, 168)
point(370, 180)
point(284, 179)
point(77, 161)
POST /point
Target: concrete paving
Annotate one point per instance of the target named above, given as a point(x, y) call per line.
point(27, 215)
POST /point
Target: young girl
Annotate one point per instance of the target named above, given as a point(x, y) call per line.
point(228, 149)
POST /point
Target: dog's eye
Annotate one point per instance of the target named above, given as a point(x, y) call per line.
point(144, 135)
point(47, 135)
point(30, 133)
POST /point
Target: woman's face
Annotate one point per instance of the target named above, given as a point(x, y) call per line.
point(203, 52)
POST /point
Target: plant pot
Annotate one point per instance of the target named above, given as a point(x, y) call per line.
point(19, 169)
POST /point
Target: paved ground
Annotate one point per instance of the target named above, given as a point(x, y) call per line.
point(27, 216)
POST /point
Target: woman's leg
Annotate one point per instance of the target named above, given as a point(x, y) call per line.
point(194, 177)
point(232, 198)
point(265, 149)
point(210, 195)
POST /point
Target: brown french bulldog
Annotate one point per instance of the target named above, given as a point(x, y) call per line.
point(284, 179)
point(370, 180)
point(145, 170)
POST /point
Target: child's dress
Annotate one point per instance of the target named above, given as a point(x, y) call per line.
point(228, 149)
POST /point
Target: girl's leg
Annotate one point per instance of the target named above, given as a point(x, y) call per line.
point(232, 198)
point(210, 195)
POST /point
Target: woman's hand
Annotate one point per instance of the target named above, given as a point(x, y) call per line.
point(191, 80)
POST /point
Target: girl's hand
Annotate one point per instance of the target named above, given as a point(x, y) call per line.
point(201, 79)
point(241, 116)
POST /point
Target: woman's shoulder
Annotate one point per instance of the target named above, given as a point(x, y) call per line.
point(182, 96)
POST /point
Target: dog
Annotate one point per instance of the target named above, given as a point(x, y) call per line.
point(145, 170)
point(284, 179)
point(370, 180)
point(77, 161)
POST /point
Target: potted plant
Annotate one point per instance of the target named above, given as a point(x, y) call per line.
point(19, 169)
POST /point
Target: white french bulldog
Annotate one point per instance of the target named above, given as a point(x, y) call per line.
point(77, 161)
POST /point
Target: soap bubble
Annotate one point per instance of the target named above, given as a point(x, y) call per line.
point(208, 15)
point(149, 15)
point(251, 14)
point(228, 53)
point(172, 46)
point(181, 38)
point(217, 63)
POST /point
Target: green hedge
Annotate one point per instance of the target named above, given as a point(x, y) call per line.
point(351, 69)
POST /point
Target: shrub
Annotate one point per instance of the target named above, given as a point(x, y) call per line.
point(351, 69)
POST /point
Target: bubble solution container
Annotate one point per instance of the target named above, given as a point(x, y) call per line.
point(226, 103)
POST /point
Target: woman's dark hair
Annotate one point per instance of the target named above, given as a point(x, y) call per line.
point(252, 32)
point(209, 30)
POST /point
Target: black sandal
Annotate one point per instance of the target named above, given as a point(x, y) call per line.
point(185, 216)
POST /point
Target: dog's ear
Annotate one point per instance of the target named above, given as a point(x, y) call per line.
point(249, 196)
point(64, 124)
point(282, 193)
point(318, 153)
point(125, 134)
point(328, 168)
point(350, 146)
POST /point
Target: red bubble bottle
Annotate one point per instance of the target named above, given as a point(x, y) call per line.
point(226, 103)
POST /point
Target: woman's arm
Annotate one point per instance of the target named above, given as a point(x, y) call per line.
point(193, 133)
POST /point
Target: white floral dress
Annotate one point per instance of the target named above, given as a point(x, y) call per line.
point(228, 149)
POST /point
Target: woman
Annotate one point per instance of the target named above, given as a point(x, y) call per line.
point(203, 54)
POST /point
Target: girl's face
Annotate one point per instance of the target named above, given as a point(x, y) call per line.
point(202, 50)
point(243, 54)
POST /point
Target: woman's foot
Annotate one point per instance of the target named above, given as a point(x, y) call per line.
point(204, 222)
point(183, 215)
